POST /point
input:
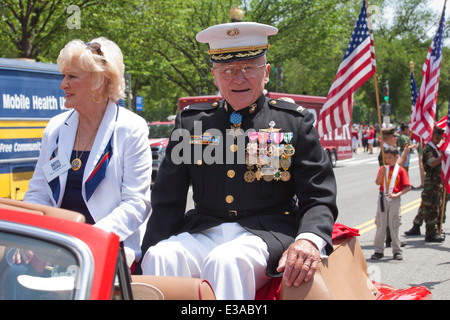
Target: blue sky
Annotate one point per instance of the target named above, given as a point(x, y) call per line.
point(438, 5)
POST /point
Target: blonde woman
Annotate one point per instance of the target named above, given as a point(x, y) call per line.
point(95, 158)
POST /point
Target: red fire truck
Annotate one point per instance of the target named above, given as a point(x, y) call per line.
point(338, 144)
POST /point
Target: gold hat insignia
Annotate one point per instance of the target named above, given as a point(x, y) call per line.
point(233, 32)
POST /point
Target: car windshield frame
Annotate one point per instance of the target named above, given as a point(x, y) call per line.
point(122, 278)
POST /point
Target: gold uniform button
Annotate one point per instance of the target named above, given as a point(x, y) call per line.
point(199, 162)
point(231, 174)
point(215, 104)
point(273, 102)
point(287, 213)
point(233, 148)
point(229, 199)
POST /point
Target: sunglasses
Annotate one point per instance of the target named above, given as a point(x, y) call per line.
point(95, 48)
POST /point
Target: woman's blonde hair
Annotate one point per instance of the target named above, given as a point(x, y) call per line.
point(108, 62)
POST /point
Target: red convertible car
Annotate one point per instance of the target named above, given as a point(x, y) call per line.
point(64, 258)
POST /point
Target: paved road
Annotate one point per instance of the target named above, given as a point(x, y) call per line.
point(424, 264)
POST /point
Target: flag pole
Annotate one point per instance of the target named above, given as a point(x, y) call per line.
point(369, 24)
point(411, 66)
point(443, 11)
point(443, 210)
point(445, 189)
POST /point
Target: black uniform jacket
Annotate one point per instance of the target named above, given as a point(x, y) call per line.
point(221, 194)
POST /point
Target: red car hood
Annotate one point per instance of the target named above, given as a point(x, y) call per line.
point(159, 142)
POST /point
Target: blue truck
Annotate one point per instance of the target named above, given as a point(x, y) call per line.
point(30, 95)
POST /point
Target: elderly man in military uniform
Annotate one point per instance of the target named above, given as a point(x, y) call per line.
point(433, 189)
point(264, 190)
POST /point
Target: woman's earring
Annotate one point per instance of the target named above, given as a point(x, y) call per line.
point(100, 100)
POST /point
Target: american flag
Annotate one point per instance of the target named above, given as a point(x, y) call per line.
point(445, 164)
point(356, 68)
point(442, 123)
point(422, 117)
point(414, 95)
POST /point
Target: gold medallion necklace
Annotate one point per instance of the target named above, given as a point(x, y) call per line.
point(77, 163)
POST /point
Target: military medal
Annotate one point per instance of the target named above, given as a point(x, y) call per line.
point(288, 148)
point(235, 119)
point(285, 163)
point(263, 137)
point(270, 150)
point(271, 127)
point(277, 176)
point(249, 176)
point(268, 173)
point(252, 156)
point(252, 148)
point(253, 136)
point(285, 176)
point(263, 159)
point(205, 139)
point(278, 137)
point(258, 174)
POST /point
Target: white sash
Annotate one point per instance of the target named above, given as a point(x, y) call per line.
point(392, 182)
point(435, 148)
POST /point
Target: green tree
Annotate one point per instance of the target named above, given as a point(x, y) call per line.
point(29, 27)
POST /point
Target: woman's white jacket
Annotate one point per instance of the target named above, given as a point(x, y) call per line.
point(119, 202)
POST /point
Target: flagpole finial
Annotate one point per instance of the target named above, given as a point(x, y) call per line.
point(411, 64)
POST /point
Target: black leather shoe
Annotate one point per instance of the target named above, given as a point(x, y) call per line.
point(377, 256)
point(414, 231)
point(435, 238)
point(398, 256)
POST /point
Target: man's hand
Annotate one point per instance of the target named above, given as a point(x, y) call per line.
point(437, 161)
point(299, 262)
point(22, 256)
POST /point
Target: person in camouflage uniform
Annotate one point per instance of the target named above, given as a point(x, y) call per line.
point(390, 138)
point(433, 190)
